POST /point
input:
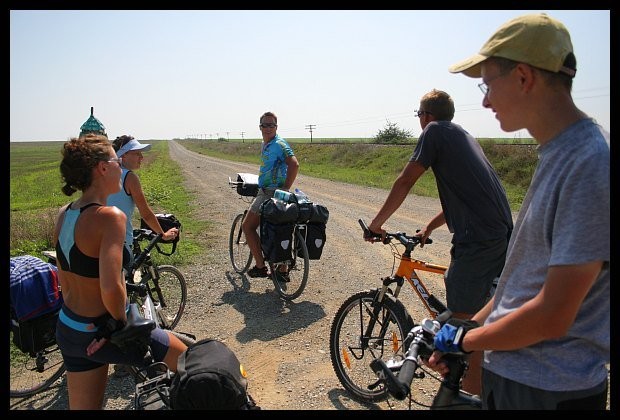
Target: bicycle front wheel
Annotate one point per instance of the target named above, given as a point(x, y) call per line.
point(361, 331)
point(297, 268)
point(30, 375)
point(169, 294)
point(240, 254)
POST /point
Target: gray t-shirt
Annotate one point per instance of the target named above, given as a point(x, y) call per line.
point(472, 197)
point(564, 220)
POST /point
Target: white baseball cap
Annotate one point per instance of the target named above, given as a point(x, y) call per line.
point(133, 144)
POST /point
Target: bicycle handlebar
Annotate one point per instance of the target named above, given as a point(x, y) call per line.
point(154, 238)
point(402, 237)
point(423, 346)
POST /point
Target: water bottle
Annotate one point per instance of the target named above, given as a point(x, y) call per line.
point(282, 195)
point(301, 196)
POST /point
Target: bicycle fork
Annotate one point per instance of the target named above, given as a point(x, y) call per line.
point(377, 306)
point(156, 297)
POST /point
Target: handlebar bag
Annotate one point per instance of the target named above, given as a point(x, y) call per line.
point(248, 186)
point(166, 221)
point(210, 377)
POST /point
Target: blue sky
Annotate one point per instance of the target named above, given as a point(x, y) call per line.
point(207, 73)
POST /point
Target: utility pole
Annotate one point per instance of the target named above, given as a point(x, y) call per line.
point(242, 140)
point(310, 127)
point(227, 136)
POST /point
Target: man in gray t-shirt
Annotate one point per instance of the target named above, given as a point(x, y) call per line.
point(546, 332)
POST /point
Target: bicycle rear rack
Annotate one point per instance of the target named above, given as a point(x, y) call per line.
point(154, 393)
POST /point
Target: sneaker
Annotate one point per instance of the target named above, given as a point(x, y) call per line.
point(282, 277)
point(258, 272)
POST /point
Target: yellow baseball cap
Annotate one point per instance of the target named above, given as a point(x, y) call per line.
point(536, 39)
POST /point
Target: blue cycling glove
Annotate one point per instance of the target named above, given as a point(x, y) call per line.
point(449, 339)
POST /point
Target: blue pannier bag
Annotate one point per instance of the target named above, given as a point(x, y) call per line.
point(34, 287)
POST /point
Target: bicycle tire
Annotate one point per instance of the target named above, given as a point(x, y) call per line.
point(350, 357)
point(239, 251)
point(25, 380)
point(298, 270)
point(169, 294)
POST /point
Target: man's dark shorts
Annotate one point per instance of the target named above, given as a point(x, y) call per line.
point(499, 393)
point(473, 266)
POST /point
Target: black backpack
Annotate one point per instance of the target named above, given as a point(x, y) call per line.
point(210, 377)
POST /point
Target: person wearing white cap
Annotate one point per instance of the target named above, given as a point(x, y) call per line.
point(131, 195)
point(546, 332)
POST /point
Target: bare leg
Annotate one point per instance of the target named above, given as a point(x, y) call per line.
point(176, 348)
point(87, 389)
point(250, 224)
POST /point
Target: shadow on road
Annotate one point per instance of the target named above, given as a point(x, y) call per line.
point(266, 315)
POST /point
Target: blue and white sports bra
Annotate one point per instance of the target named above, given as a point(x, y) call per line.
point(75, 261)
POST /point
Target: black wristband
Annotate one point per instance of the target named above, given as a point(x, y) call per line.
point(107, 325)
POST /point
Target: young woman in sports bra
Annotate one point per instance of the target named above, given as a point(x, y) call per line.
point(89, 238)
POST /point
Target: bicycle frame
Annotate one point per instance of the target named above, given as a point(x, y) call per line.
point(407, 271)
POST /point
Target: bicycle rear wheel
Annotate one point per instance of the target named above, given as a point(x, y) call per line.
point(30, 375)
point(169, 294)
point(353, 344)
point(240, 254)
point(297, 268)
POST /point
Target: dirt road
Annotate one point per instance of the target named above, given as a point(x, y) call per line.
point(285, 346)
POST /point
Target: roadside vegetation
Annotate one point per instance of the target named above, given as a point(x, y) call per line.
point(377, 165)
point(35, 181)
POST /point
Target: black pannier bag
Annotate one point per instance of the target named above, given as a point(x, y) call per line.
point(35, 300)
point(314, 234)
point(210, 377)
point(167, 221)
point(279, 212)
point(319, 214)
point(276, 241)
point(34, 334)
point(249, 186)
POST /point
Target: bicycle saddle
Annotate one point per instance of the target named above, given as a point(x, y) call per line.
point(137, 330)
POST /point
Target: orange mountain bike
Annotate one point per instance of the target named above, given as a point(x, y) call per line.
point(373, 324)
